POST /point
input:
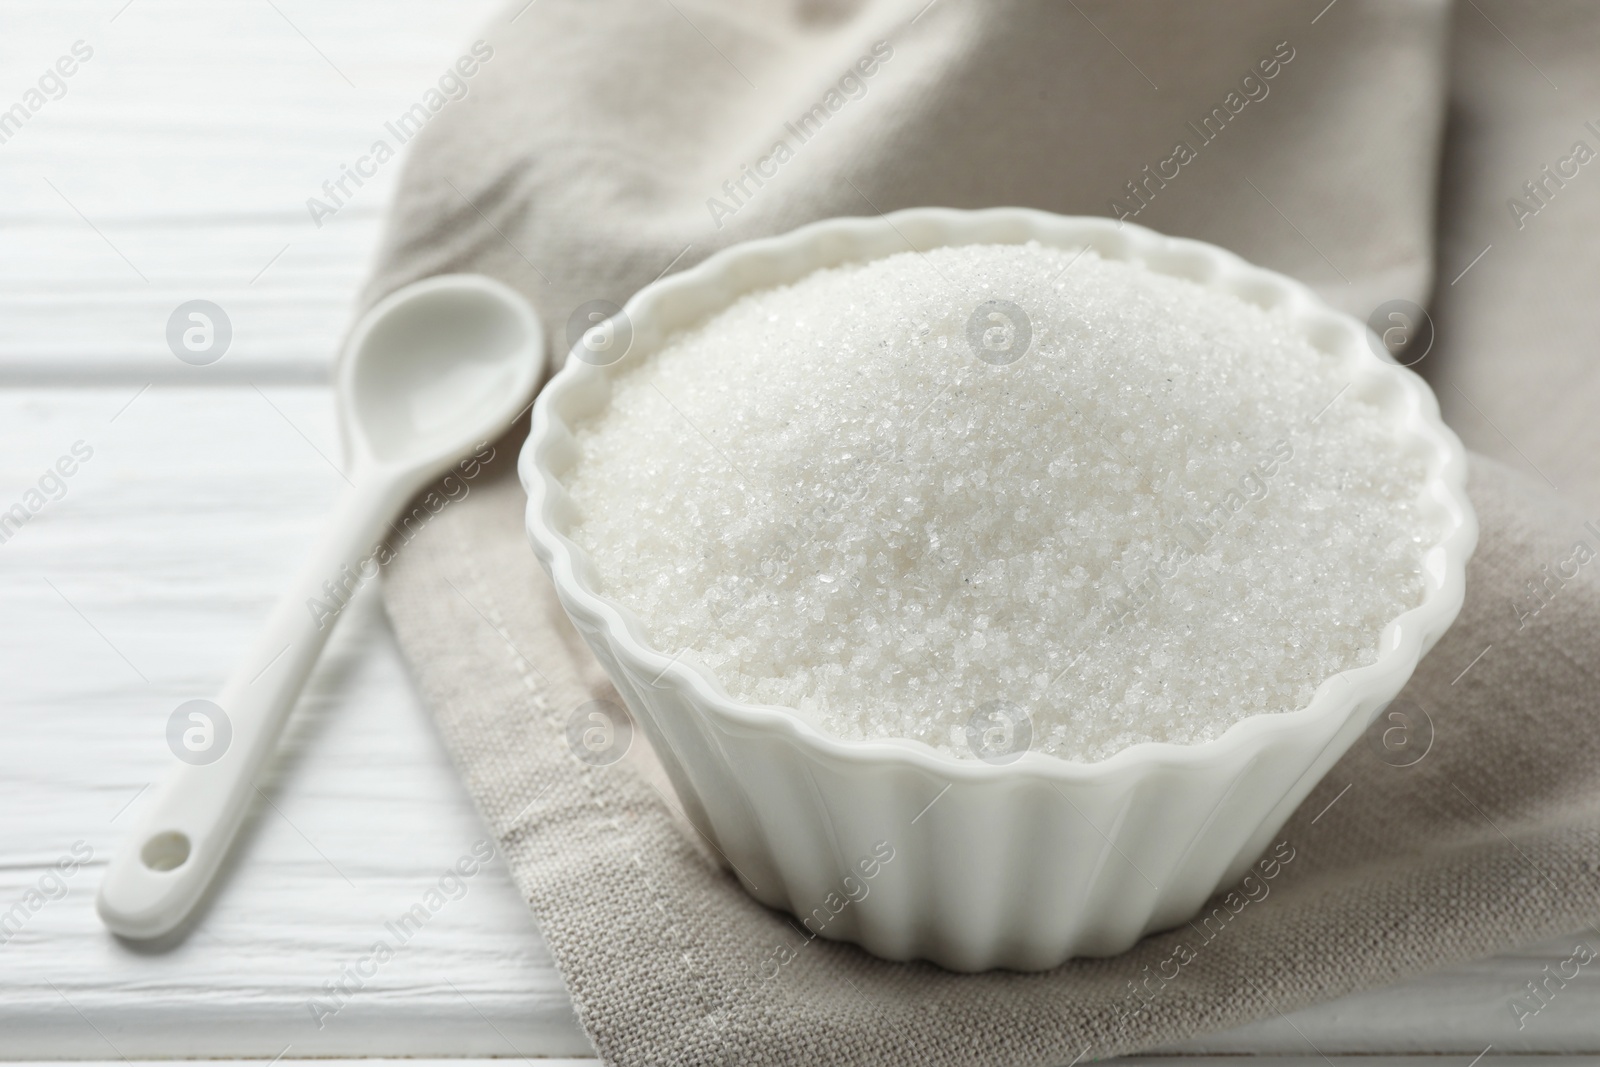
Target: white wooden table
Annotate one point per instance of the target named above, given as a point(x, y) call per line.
point(176, 166)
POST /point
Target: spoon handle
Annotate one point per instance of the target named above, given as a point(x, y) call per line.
point(162, 870)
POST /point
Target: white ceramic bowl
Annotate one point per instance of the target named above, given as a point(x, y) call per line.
point(1021, 865)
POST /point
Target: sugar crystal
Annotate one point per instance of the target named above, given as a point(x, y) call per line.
point(1120, 504)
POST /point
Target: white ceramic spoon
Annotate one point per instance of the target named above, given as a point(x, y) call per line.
point(429, 373)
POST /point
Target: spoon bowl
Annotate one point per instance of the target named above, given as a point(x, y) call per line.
point(431, 364)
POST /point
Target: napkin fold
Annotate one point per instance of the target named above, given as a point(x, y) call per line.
point(597, 146)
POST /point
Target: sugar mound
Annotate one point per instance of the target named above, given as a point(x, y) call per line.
point(1003, 487)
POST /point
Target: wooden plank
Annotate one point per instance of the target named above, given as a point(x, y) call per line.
point(169, 544)
point(288, 1061)
point(178, 165)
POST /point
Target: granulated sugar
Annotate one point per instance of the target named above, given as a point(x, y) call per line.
point(1147, 511)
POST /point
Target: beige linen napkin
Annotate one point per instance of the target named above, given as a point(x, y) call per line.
point(1519, 242)
point(600, 145)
